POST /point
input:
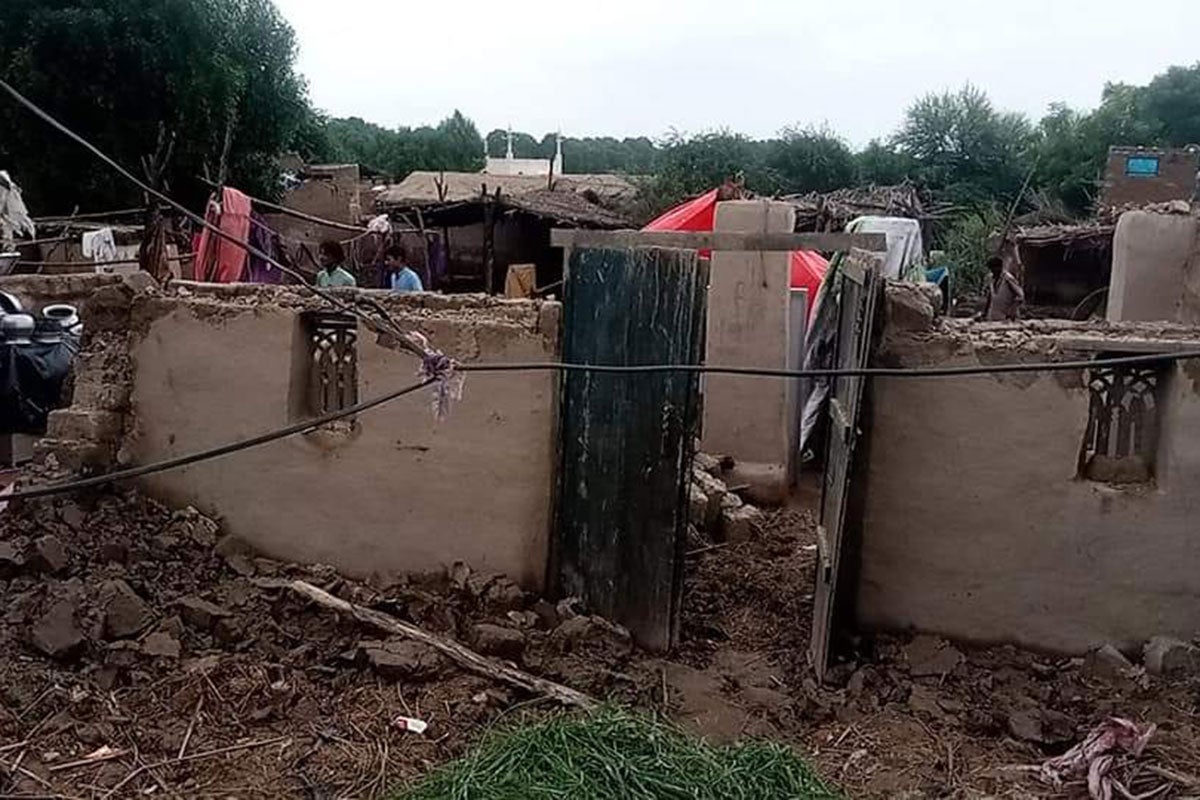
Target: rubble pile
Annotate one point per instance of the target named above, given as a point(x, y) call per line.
point(144, 652)
point(135, 631)
point(716, 509)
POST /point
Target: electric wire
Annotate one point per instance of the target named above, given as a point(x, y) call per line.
point(214, 452)
point(406, 339)
point(868, 372)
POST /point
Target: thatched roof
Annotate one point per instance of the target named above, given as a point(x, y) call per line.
point(560, 207)
point(832, 211)
point(567, 207)
point(422, 189)
point(1087, 235)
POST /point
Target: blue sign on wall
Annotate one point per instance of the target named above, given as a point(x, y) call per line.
point(1141, 166)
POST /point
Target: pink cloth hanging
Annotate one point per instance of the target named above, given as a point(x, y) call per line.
point(219, 260)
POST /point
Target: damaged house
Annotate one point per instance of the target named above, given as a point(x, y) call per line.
point(489, 223)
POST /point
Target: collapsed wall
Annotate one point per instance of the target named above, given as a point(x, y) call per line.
point(995, 510)
point(168, 373)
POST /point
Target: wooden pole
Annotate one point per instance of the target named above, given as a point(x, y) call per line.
point(463, 656)
point(489, 231)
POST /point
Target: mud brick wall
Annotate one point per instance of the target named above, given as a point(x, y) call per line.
point(973, 519)
point(85, 436)
point(1156, 268)
point(393, 491)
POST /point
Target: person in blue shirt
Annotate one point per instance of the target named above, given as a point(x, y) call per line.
point(403, 278)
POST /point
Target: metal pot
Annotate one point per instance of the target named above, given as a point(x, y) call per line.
point(17, 328)
point(66, 317)
point(10, 303)
point(47, 331)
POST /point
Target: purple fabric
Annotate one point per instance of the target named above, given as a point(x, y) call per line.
point(266, 240)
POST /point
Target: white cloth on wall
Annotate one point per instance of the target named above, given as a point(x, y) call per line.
point(380, 224)
point(905, 248)
point(14, 217)
point(99, 245)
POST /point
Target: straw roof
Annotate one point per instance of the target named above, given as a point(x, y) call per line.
point(832, 211)
point(421, 189)
point(1086, 235)
point(568, 207)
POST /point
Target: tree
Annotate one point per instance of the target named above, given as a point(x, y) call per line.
point(1171, 102)
point(963, 148)
point(456, 145)
point(691, 165)
point(120, 71)
point(808, 160)
point(524, 145)
point(881, 164)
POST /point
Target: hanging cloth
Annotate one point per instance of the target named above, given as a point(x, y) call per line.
point(99, 245)
point(219, 260)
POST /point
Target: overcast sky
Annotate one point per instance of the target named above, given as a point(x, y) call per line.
point(642, 67)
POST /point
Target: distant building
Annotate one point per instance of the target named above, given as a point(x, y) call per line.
point(1141, 175)
point(510, 165)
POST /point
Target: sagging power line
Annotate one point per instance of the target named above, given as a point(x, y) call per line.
point(317, 422)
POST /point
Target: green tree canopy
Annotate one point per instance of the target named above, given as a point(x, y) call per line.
point(1171, 102)
point(120, 71)
point(808, 160)
point(963, 148)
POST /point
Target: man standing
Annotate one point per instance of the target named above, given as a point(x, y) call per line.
point(1005, 296)
point(403, 277)
point(332, 255)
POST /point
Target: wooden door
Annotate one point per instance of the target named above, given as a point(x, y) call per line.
point(858, 279)
point(627, 440)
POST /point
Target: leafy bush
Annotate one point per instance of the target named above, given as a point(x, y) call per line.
point(968, 242)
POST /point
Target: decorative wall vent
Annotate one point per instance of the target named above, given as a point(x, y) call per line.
point(1121, 442)
point(332, 362)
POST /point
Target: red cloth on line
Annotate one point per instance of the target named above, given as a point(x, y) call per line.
point(699, 214)
point(219, 260)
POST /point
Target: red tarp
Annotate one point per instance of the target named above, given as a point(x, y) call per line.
point(808, 268)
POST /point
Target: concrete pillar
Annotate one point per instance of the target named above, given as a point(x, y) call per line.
point(1154, 261)
point(749, 418)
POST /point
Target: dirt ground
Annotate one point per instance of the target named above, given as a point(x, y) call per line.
point(143, 654)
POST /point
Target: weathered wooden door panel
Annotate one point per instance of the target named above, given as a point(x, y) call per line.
point(627, 439)
point(858, 279)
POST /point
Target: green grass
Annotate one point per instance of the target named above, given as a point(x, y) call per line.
point(612, 754)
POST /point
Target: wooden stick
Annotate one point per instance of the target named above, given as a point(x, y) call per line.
point(463, 656)
point(195, 757)
point(84, 762)
point(745, 242)
point(1186, 781)
point(187, 737)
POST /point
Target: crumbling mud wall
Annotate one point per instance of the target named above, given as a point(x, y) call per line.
point(977, 522)
point(390, 491)
point(1156, 267)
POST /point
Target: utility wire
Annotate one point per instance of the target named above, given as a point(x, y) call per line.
point(291, 430)
point(865, 372)
point(406, 339)
point(215, 452)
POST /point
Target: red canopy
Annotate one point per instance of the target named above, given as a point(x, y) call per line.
point(808, 268)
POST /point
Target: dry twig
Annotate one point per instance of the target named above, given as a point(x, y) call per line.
point(463, 656)
point(195, 757)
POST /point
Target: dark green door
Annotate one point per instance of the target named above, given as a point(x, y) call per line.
point(628, 439)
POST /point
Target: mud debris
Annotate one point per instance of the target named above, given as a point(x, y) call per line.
point(219, 658)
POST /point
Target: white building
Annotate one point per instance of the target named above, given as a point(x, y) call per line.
point(523, 166)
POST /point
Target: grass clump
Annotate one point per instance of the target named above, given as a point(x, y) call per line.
point(611, 754)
